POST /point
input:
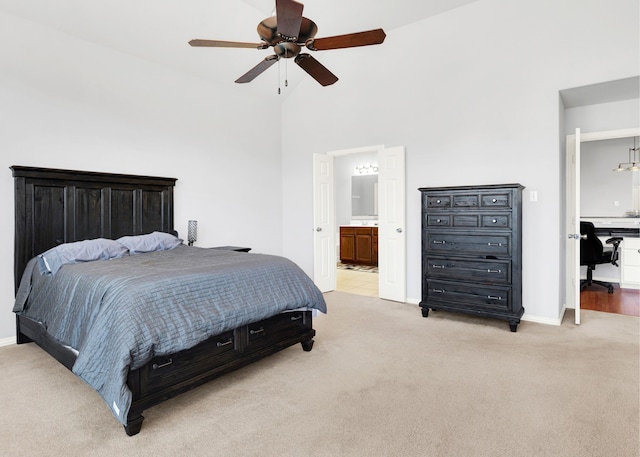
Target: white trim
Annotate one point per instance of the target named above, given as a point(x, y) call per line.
point(7, 341)
point(344, 152)
point(609, 134)
point(526, 317)
point(542, 320)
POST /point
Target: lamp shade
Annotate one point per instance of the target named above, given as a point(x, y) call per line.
point(192, 231)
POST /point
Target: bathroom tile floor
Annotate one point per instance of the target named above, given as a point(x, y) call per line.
point(357, 282)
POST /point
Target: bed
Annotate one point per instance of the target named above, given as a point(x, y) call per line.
point(143, 326)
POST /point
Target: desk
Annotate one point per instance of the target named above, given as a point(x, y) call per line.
point(628, 275)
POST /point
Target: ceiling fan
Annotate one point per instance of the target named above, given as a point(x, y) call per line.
point(287, 32)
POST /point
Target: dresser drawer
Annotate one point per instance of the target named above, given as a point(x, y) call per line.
point(276, 328)
point(438, 221)
point(164, 371)
point(448, 294)
point(492, 271)
point(469, 220)
point(496, 200)
point(477, 244)
point(438, 201)
point(496, 221)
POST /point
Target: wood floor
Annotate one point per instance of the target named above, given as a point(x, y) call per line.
point(621, 301)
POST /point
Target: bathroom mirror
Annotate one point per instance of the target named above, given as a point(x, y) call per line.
point(364, 197)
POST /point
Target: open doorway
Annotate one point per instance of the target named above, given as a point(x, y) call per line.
point(356, 204)
point(390, 241)
point(608, 214)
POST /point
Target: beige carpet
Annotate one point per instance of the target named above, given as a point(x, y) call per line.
point(380, 381)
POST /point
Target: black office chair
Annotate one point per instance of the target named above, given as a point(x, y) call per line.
point(592, 253)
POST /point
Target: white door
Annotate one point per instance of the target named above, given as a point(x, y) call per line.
point(572, 223)
point(391, 225)
point(324, 251)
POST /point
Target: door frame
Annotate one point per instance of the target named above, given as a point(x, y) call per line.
point(572, 200)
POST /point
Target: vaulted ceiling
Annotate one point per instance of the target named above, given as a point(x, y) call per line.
point(158, 30)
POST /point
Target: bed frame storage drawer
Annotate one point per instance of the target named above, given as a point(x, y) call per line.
point(164, 371)
point(166, 377)
point(276, 328)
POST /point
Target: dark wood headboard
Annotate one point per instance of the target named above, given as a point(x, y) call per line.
point(55, 206)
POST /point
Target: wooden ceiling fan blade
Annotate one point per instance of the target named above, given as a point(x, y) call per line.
point(350, 40)
point(316, 70)
point(257, 70)
point(226, 44)
point(289, 18)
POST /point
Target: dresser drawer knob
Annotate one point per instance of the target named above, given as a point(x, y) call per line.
point(494, 271)
point(494, 200)
point(494, 244)
point(494, 221)
point(255, 332)
point(225, 343)
point(438, 201)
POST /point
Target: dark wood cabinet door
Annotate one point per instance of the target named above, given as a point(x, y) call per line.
point(347, 248)
point(364, 248)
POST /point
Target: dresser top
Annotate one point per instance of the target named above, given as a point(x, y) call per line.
point(482, 187)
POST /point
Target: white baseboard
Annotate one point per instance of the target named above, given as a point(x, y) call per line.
point(543, 320)
point(8, 341)
point(526, 317)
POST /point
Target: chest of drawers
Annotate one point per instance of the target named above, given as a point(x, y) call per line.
point(472, 251)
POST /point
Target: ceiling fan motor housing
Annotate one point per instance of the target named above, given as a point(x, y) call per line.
point(268, 31)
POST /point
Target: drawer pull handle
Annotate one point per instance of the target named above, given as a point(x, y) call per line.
point(226, 343)
point(495, 221)
point(494, 244)
point(494, 200)
point(491, 297)
point(155, 366)
point(296, 318)
point(255, 332)
point(438, 201)
point(439, 242)
point(438, 220)
point(438, 266)
point(494, 271)
point(438, 291)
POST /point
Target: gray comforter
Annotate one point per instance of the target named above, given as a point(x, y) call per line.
point(120, 313)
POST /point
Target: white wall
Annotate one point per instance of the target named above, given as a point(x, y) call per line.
point(67, 103)
point(473, 95)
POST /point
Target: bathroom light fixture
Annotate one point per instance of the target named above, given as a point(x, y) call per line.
point(366, 169)
point(192, 232)
point(634, 159)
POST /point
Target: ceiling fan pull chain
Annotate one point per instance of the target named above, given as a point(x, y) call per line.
point(278, 76)
point(286, 70)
